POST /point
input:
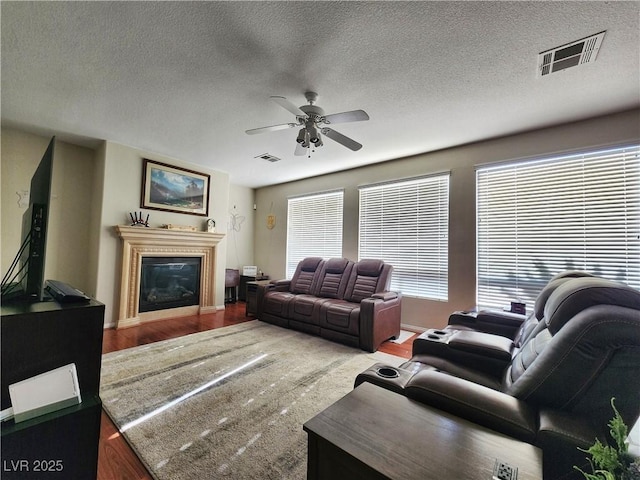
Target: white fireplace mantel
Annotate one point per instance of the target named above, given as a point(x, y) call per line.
point(138, 242)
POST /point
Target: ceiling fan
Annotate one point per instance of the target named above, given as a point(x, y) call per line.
point(312, 119)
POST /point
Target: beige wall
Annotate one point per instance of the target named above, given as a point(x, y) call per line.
point(270, 245)
point(240, 226)
point(122, 180)
point(94, 190)
point(70, 209)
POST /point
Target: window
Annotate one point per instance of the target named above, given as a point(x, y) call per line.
point(406, 224)
point(314, 228)
point(537, 218)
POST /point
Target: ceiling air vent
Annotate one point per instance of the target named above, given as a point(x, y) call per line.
point(268, 157)
point(570, 55)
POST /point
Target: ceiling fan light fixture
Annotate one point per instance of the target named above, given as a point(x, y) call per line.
point(314, 134)
point(312, 119)
point(302, 135)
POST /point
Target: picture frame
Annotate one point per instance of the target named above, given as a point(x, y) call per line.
point(174, 189)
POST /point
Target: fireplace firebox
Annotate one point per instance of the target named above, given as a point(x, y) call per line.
point(169, 282)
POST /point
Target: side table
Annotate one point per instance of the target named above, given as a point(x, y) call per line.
point(374, 434)
point(244, 279)
point(252, 296)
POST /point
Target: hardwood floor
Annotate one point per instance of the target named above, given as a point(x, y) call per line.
point(116, 460)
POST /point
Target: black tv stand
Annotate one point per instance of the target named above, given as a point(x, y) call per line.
point(21, 298)
point(37, 337)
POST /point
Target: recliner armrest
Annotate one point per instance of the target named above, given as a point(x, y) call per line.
point(501, 317)
point(566, 428)
point(279, 285)
point(385, 295)
point(496, 322)
point(476, 403)
point(379, 319)
point(559, 435)
point(471, 349)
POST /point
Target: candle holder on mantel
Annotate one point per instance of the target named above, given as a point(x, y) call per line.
point(136, 219)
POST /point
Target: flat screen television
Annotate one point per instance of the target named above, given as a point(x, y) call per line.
point(25, 277)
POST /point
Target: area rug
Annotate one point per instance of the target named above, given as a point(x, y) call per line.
point(229, 402)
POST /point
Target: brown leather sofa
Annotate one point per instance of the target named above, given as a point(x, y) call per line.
point(337, 299)
point(553, 389)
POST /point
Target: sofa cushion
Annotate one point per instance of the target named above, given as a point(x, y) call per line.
point(333, 278)
point(551, 286)
point(367, 277)
point(304, 308)
point(578, 294)
point(341, 316)
point(303, 280)
point(277, 303)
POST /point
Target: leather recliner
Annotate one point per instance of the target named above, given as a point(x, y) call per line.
point(338, 299)
point(273, 305)
point(368, 313)
point(507, 324)
point(331, 283)
point(555, 390)
point(464, 340)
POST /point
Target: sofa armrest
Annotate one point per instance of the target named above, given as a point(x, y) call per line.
point(500, 316)
point(565, 428)
point(476, 403)
point(385, 376)
point(496, 322)
point(280, 285)
point(476, 350)
point(559, 435)
point(379, 319)
point(386, 296)
point(263, 289)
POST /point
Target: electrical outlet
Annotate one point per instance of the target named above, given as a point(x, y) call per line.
point(504, 471)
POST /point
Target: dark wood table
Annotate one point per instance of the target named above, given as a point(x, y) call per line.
point(251, 307)
point(372, 433)
point(244, 280)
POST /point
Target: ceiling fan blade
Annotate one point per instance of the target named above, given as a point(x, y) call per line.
point(287, 105)
point(300, 150)
point(272, 128)
point(341, 139)
point(352, 116)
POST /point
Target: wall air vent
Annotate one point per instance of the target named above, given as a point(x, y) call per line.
point(268, 157)
point(570, 55)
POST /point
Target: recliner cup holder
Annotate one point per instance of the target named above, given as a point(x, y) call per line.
point(437, 335)
point(388, 372)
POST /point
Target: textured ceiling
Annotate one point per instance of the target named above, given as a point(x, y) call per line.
point(186, 79)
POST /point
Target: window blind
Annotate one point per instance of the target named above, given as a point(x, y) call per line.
point(406, 224)
point(538, 218)
point(314, 228)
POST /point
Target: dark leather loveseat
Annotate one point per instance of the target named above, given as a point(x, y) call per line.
point(550, 385)
point(337, 299)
